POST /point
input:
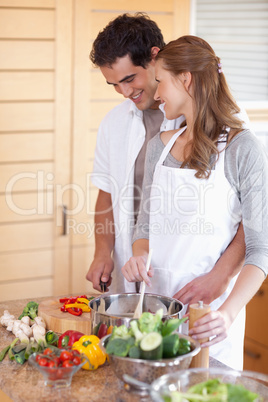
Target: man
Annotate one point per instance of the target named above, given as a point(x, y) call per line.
point(125, 52)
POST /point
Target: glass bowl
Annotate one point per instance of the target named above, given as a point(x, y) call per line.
point(57, 377)
point(182, 380)
point(148, 370)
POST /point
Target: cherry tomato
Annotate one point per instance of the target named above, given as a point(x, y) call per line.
point(67, 363)
point(52, 363)
point(65, 355)
point(76, 360)
point(43, 361)
point(37, 358)
point(47, 351)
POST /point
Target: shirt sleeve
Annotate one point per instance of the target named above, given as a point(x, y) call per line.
point(100, 176)
point(246, 169)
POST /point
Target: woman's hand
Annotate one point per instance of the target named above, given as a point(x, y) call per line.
point(135, 270)
point(214, 324)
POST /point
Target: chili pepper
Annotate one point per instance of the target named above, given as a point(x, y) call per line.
point(72, 299)
point(82, 300)
point(89, 346)
point(81, 306)
point(68, 338)
point(75, 311)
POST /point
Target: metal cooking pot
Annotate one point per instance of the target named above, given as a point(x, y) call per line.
point(118, 309)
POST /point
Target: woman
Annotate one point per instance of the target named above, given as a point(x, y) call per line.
point(199, 183)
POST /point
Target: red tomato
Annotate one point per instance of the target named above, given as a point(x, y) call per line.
point(47, 351)
point(67, 363)
point(52, 363)
point(76, 360)
point(43, 361)
point(37, 358)
point(65, 355)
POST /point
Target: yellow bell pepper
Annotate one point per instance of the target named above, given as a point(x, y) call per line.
point(83, 307)
point(89, 346)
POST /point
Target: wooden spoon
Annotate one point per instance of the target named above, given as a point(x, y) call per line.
point(138, 310)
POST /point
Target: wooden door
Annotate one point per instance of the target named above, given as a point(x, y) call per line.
point(51, 103)
point(35, 135)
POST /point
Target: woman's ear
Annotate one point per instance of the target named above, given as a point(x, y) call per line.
point(187, 79)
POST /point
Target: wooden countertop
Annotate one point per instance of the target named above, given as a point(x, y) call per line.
point(24, 383)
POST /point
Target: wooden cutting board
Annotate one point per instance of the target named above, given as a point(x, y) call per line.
point(59, 321)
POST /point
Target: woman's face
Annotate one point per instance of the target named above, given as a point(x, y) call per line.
point(173, 91)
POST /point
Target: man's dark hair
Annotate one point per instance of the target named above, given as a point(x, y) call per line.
point(134, 35)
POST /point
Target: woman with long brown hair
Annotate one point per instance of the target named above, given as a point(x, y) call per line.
point(200, 182)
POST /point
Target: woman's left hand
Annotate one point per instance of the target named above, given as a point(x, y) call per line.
point(213, 325)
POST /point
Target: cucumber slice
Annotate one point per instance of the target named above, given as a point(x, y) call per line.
point(171, 345)
point(152, 346)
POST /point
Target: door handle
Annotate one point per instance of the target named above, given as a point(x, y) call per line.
point(64, 220)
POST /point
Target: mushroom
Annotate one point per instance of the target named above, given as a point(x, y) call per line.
point(6, 317)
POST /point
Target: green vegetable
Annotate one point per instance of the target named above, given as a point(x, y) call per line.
point(237, 393)
point(184, 346)
point(19, 352)
point(4, 352)
point(10, 354)
point(134, 352)
point(30, 310)
point(118, 347)
point(136, 332)
point(213, 390)
point(170, 345)
point(149, 322)
point(51, 338)
point(152, 346)
point(171, 325)
point(120, 332)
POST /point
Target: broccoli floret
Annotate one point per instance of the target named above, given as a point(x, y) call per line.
point(120, 332)
point(136, 332)
point(149, 322)
point(30, 310)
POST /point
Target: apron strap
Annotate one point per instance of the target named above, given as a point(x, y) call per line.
point(169, 146)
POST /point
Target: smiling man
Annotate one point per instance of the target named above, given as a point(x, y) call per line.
point(125, 52)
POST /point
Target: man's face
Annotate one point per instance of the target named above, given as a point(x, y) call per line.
point(133, 82)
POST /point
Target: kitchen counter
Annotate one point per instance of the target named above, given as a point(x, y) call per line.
point(24, 383)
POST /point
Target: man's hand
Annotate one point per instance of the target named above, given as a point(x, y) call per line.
point(207, 288)
point(100, 270)
point(212, 285)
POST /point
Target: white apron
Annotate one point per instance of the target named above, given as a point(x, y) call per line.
point(192, 221)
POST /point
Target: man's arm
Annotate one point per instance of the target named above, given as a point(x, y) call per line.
point(210, 286)
point(102, 265)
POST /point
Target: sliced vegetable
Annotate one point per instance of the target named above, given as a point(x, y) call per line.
point(75, 311)
point(51, 338)
point(89, 346)
point(152, 346)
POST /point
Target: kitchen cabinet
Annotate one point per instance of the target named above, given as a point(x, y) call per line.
point(256, 339)
point(51, 103)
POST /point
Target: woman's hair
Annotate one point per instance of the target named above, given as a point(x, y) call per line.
point(134, 35)
point(214, 109)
